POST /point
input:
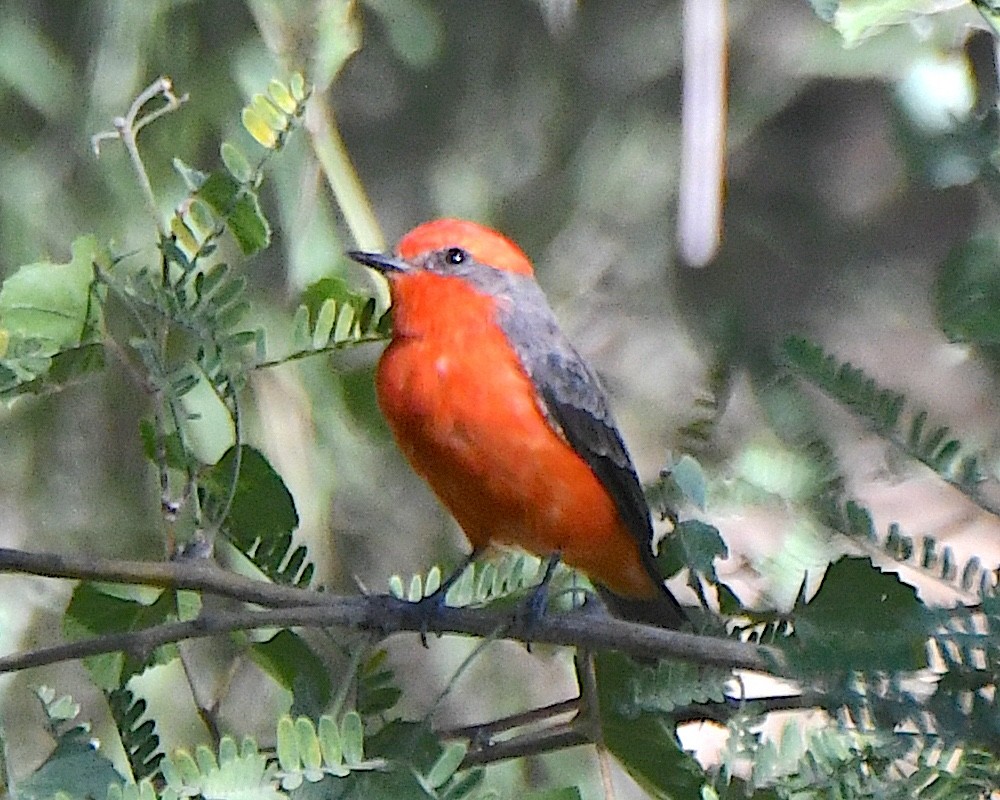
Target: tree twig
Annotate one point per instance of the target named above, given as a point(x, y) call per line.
point(198, 575)
point(383, 615)
point(127, 130)
point(504, 725)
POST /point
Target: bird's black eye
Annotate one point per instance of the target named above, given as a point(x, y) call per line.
point(455, 255)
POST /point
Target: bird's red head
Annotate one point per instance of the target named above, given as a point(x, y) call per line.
point(485, 245)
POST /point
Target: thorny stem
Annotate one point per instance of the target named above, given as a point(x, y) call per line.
point(127, 130)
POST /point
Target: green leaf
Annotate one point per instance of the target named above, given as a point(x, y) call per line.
point(858, 604)
point(75, 767)
point(667, 686)
point(324, 324)
point(645, 743)
point(352, 738)
point(47, 310)
point(51, 303)
point(244, 774)
point(93, 611)
point(257, 126)
point(297, 86)
point(262, 506)
point(281, 96)
point(240, 209)
point(309, 749)
point(301, 338)
point(236, 162)
point(209, 428)
point(693, 544)
point(702, 544)
point(345, 318)
point(967, 293)
point(376, 692)
point(139, 740)
point(291, 662)
point(856, 20)
point(249, 226)
point(690, 479)
point(412, 742)
point(325, 289)
point(269, 113)
point(172, 449)
point(32, 374)
point(330, 746)
point(201, 217)
point(288, 745)
point(446, 765)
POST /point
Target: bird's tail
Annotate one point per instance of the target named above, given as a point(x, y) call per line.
point(663, 610)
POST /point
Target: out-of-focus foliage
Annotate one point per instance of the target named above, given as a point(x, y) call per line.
point(166, 397)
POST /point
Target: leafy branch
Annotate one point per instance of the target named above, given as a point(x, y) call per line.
point(883, 410)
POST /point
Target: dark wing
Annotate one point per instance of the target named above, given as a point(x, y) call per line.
point(577, 406)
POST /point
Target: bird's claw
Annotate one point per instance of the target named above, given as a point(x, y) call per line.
point(532, 610)
point(429, 608)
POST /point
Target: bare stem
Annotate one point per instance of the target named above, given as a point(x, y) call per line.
point(127, 130)
point(378, 614)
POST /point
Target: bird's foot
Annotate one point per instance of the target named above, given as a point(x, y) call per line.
point(532, 609)
point(429, 608)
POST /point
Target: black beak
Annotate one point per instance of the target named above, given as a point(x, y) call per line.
point(379, 261)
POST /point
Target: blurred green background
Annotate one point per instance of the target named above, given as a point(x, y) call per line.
point(557, 122)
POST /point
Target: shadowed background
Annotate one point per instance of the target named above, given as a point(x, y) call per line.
point(558, 124)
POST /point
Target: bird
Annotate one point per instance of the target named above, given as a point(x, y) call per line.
point(495, 409)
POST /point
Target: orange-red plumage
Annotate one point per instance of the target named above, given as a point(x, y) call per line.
point(474, 385)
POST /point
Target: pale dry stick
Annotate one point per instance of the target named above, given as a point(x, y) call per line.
point(703, 132)
point(127, 128)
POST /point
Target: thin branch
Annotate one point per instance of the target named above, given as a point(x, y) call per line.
point(383, 615)
point(558, 737)
point(198, 575)
point(487, 746)
point(333, 347)
point(504, 725)
point(127, 130)
point(723, 712)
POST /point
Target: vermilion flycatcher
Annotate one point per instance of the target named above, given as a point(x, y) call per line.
point(494, 408)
